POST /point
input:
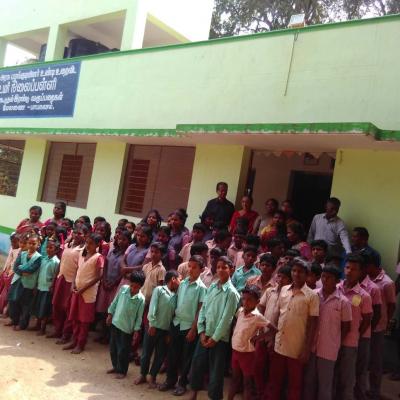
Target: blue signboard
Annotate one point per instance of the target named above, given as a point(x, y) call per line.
point(37, 92)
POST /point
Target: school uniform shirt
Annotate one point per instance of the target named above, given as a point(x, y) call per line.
point(270, 301)
point(113, 270)
point(295, 307)
point(135, 255)
point(185, 252)
point(162, 308)
point(361, 304)
point(333, 310)
point(69, 263)
point(208, 277)
point(232, 253)
point(373, 290)
point(388, 295)
point(256, 280)
point(246, 327)
point(47, 272)
point(30, 266)
point(240, 276)
point(189, 296)
point(218, 310)
point(154, 274)
point(127, 310)
point(87, 271)
point(10, 261)
point(239, 259)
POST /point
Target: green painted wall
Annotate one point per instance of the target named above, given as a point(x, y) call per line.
point(367, 183)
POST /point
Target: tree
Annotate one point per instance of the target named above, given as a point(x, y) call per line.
point(235, 17)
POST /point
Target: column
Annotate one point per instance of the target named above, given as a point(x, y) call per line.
point(56, 43)
point(135, 23)
point(3, 48)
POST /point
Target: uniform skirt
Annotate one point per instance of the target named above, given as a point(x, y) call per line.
point(42, 304)
point(81, 311)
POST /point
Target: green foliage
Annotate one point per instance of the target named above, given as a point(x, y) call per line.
point(235, 17)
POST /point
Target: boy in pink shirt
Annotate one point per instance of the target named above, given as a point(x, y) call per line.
point(334, 324)
point(361, 308)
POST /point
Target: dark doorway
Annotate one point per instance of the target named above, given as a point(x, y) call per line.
point(309, 192)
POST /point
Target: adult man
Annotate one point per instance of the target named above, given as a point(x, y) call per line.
point(359, 242)
point(329, 227)
point(221, 208)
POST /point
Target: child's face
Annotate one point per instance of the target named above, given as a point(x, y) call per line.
point(329, 282)
point(174, 284)
point(91, 245)
point(34, 215)
point(292, 237)
point(223, 271)
point(155, 255)
point(135, 288)
point(129, 227)
point(283, 280)
point(299, 275)
point(101, 230)
point(208, 221)
point(32, 245)
point(23, 244)
point(78, 237)
point(142, 239)
point(238, 240)
point(162, 237)
point(15, 242)
point(49, 231)
point(176, 222)
point(278, 251)
point(277, 219)
point(197, 235)
point(318, 254)
point(249, 302)
point(81, 220)
point(311, 280)
point(266, 269)
point(58, 211)
point(152, 219)
point(51, 249)
point(249, 258)
point(65, 224)
point(213, 261)
point(123, 242)
point(288, 259)
point(352, 271)
point(194, 270)
point(225, 244)
point(117, 234)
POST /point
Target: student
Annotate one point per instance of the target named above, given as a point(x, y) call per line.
point(23, 284)
point(103, 229)
point(246, 271)
point(268, 306)
point(276, 248)
point(361, 309)
point(214, 326)
point(246, 214)
point(208, 221)
point(388, 296)
point(267, 267)
point(197, 249)
point(32, 223)
point(314, 276)
point(237, 244)
point(154, 271)
point(248, 241)
point(179, 235)
point(59, 211)
point(183, 332)
point(333, 325)
point(7, 273)
point(249, 322)
point(48, 232)
point(153, 219)
point(130, 227)
point(271, 206)
point(359, 242)
point(209, 275)
point(120, 224)
point(296, 236)
point(319, 249)
point(161, 312)
point(223, 240)
point(45, 285)
point(288, 208)
point(63, 285)
point(198, 233)
point(217, 227)
point(125, 318)
point(84, 293)
point(298, 312)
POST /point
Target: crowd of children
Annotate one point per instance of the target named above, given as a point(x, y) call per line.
point(239, 294)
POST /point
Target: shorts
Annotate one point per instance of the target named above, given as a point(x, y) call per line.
point(244, 362)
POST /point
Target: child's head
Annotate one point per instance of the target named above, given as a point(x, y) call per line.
point(359, 237)
point(223, 239)
point(319, 249)
point(92, 243)
point(32, 243)
point(218, 226)
point(164, 234)
point(276, 247)
point(104, 230)
point(208, 220)
point(59, 210)
point(215, 254)
point(49, 230)
point(300, 270)
point(198, 232)
point(153, 219)
point(137, 279)
point(130, 227)
point(249, 256)
point(330, 277)
point(122, 222)
point(35, 212)
point(14, 240)
point(157, 250)
point(79, 234)
point(267, 265)
point(251, 240)
point(199, 249)
point(284, 276)
point(84, 219)
point(23, 242)
point(295, 232)
point(172, 280)
point(67, 224)
point(52, 248)
point(353, 268)
point(278, 219)
point(124, 240)
point(291, 254)
point(314, 275)
point(271, 205)
point(178, 219)
point(372, 260)
point(225, 269)
point(195, 267)
point(287, 208)
point(144, 235)
point(238, 238)
point(335, 259)
point(250, 298)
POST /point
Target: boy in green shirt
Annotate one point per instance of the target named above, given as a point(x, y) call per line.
point(248, 270)
point(125, 318)
point(214, 327)
point(161, 312)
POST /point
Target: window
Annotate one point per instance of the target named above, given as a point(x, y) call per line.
point(156, 177)
point(11, 152)
point(68, 173)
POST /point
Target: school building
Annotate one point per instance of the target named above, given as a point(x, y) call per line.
point(297, 113)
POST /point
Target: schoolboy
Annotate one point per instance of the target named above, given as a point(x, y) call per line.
point(314, 276)
point(249, 322)
point(197, 249)
point(267, 267)
point(214, 327)
point(319, 251)
point(249, 241)
point(183, 329)
point(334, 324)
point(161, 312)
point(237, 244)
point(125, 318)
point(359, 242)
point(388, 296)
point(198, 232)
point(298, 312)
point(209, 275)
point(276, 248)
point(247, 270)
point(361, 310)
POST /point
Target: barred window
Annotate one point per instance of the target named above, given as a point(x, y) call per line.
point(11, 153)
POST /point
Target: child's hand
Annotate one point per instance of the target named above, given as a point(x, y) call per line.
point(135, 336)
point(191, 335)
point(304, 357)
point(203, 339)
point(109, 320)
point(210, 343)
point(151, 331)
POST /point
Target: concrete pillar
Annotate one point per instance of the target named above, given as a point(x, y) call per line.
point(3, 48)
point(56, 43)
point(135, 23)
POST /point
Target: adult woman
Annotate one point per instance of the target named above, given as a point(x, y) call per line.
point(295, 235)
point(288, 209)
point(271, 206)
point(276, 228)
point(245, 216)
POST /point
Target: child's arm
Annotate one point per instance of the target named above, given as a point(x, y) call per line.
point(151, 316)
point(312, 325)
point(191, 335)
point(366, 314)
point(99, 272)
point(201, 323)
point(17, 263)
point(345, 329)
point(112, 307)
point(29, 268)
point(376, 315)
point(138, 322)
